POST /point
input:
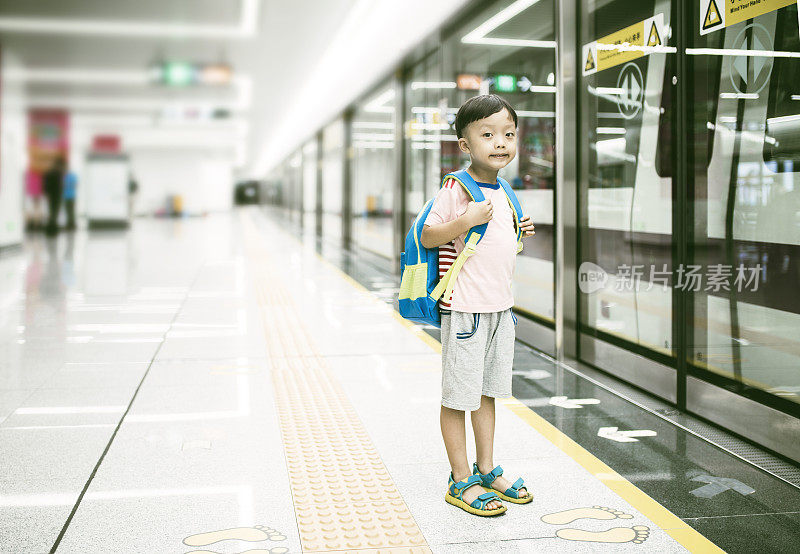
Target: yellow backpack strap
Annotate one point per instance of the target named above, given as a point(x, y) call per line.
point(516, 222)
point(448, 281)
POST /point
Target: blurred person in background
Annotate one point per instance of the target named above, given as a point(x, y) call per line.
point(53, 182)
point(133, 188)
point(70, 192)
point(33, 188)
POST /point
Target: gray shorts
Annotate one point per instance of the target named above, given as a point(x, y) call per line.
point(477, 356)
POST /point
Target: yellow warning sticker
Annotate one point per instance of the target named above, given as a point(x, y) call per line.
point(630, 43)
point(590, 65)
point(718, 14)
point(713, 17)
point(655, 38)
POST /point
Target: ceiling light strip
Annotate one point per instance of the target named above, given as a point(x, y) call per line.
point(495, 21)
point(478, 35)
point(533, 113)
point(246, 26)
point(416, 85)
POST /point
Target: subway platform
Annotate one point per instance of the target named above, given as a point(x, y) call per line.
point(222, 385)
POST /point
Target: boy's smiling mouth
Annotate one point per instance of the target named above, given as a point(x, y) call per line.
point(498, 155)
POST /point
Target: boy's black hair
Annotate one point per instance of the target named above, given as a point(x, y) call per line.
point(479, 107)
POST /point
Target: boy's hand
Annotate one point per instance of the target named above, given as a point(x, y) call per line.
point(526, 225)
point(479, 212)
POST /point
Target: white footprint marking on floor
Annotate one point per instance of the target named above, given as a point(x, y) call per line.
point(250, 534)
point(278, 550)
point(636, 534)
point(595, 512)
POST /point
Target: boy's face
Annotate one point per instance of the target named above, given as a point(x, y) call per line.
point(491, 142)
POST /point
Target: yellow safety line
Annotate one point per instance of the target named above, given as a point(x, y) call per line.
point(674, 526)
point(343, 495)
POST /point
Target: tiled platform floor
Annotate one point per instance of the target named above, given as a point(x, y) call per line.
point(160, 391)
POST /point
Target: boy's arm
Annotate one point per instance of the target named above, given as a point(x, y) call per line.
point(445, 225)
point(434, 236)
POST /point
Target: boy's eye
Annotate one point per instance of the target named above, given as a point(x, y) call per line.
point(487, 135)
point(509, 134)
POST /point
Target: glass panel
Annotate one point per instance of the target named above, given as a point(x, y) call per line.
point(626, 175)
point(332, 179)
point(310, 185)
point(294, 183)
point(373, 171)
point(746, 143)
point(273, 189)
point(507, 49)
point(427, 131)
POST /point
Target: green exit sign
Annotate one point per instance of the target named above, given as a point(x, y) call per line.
point(505, 83)
point(179, 74)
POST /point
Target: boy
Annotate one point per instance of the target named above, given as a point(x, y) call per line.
point(477, 324)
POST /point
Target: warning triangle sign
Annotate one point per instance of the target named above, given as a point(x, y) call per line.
point(589, 61)
point(655, 39)
point(713, 17)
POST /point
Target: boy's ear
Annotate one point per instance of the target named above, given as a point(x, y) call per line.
point(462, 144)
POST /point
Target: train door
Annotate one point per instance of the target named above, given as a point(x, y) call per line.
point(744, 94)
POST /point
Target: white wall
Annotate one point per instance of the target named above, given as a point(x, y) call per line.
point(203, 178)
point(13, 156)
point(79, 138)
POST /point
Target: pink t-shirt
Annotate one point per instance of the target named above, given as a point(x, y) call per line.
point(484, 282)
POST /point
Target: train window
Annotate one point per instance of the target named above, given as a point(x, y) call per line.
point(372, 163)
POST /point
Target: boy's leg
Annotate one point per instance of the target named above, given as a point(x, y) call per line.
point(455, 442)
point(496, 383)
point(483, 429)
point(483, 419)
point(456, 400)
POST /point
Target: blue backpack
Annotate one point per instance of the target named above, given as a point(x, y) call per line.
point(419, 266)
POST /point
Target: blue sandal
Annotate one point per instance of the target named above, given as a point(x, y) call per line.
point(511, 494)
point(478, 506)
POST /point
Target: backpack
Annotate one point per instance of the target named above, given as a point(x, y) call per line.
point(419, 266)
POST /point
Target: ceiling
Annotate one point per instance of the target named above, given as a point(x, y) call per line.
point(296, 64)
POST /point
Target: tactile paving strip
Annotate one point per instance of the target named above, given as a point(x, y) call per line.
point(344, 497)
